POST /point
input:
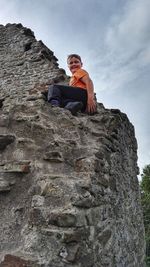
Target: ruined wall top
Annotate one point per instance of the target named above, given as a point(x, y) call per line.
point(25, 63)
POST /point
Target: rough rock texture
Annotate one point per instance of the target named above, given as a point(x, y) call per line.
point(69, 193)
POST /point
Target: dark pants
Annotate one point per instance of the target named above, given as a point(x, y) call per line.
point(65, 94)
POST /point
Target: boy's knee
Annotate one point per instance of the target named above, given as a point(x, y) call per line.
point(51, 87)
point(50, 92)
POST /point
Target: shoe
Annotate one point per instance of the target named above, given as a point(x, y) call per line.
point(44, 95)
point(54, 103)
point(74, 107)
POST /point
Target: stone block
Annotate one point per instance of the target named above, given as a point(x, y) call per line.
point(4, 120)
point(37, 201)
point(4, 186)
point(49, 189)
point(18, 167)
point(84, 164)
point(83, 200)
point(75, 235)
point(53, 156)
point(36, 217)
point(62, 219)
point(104, 237)
point(69, 253)
point(6, 140)
point(103, 180)
point(14, 261)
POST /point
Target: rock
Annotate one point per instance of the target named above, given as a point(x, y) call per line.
point(36, 217)
point(53, 156)
point(4, 186)
point(18, 167)
point(13, 261)
point(6, 140)
point(37, 201)
point(74, 235)
point(104, 237)
point(62, 219)
point(69, 253)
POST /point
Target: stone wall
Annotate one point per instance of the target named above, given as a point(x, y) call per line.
point(69, 194)
point(26, 64)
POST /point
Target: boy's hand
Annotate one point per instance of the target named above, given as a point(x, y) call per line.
point(91, 105)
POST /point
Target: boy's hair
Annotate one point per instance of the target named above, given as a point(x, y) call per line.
point(74, 55)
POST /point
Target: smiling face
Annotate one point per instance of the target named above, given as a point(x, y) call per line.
point(74, 64)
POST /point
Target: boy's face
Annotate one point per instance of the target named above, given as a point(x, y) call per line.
point(74, 64)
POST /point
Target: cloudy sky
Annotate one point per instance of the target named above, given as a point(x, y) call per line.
point(113, 39)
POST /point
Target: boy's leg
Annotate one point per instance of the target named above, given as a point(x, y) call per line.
point(74, 94)
point(64, 94)
point(74, 107)
point(54, 95)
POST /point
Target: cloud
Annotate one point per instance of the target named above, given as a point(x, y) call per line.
point(126, 45)
point(130, 30)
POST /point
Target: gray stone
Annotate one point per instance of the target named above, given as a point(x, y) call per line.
point(11, 260)
point(15, 167)
point(6, 140)
point(62, 220)
point(4, 186)
point(53, 156)
point(69, 253)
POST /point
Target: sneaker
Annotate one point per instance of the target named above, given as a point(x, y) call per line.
point(74, 107)
point(54, 103)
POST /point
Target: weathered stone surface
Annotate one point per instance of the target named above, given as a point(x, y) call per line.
point(62, 220)
point(5, 140)
point(69, 193)
point(69, 253)
point(4, 185)
point(13, 261)
point(53, 156)
point(21, 167)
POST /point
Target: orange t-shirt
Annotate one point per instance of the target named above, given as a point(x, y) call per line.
point(75, 80)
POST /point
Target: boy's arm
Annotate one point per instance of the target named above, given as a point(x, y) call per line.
point(91, 105)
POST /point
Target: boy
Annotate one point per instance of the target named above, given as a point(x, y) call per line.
point(79, 95)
